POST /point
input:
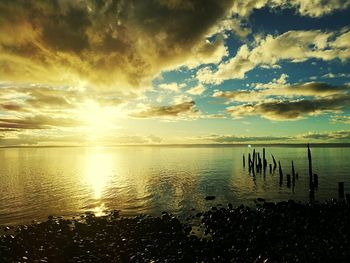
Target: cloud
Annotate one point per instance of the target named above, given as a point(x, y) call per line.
point(116, 44)
point(125, 44)
point(36, 122)
point(280, 88)
point(39, 98)
point(333, 136)
point(236, 95)
point(329, 136)
point(336, 75)
point(314, 8)
point(173, 111)
point(292, 46)
point(291, 110)
point(237, 139)
point(173, 86)
point(341, 119)
point(198, 90)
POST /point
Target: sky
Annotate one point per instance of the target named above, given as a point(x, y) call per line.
point(174, 72)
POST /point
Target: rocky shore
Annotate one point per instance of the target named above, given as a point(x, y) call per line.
point(270, 232)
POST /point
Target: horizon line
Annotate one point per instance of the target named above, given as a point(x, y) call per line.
point(325, 144)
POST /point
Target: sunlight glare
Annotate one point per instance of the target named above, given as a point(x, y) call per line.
point(97, 120)
point(98, 171)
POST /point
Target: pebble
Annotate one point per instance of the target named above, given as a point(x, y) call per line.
point(222, 235)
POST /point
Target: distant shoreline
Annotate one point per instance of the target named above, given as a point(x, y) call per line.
point(217, 145)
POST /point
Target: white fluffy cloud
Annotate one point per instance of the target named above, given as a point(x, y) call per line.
point(173, 86)
point(293, 46)
point(313, 8)
point(197, 90)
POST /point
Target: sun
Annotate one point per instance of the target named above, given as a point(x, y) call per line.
point(97, 120)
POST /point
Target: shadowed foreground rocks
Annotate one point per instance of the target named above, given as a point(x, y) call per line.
point(282, 232)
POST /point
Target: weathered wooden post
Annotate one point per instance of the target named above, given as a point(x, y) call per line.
point(310, 166)
point(311, 185)
point(288, 180)
point(264, 161)
point(274, 162)
point(270, 165)
point(259, 165)
point(293, 174)
point(253, 162)
point(249, 163)
point(341, 190)
point(243, 161)
point(280, 172)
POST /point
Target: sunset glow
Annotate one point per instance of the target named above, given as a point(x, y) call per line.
point(189, 72)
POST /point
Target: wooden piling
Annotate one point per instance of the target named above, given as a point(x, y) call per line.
point(270, 165)
point(249, 162)
point(280, 172)
point(259, 165)
point(310, 166)
point(264, 161)
point(274, 162)
point(243, 161)
point(253, 162)
point(288, 180)
point(293, 171)
point(341, 190)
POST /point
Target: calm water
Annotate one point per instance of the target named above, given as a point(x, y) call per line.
point(37, 182)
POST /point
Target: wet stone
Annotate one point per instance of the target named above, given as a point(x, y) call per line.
point(218, 235)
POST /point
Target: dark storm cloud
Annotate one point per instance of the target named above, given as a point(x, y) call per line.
point(106, 42)
point(187, 108)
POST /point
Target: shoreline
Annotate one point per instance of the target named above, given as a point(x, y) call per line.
point(271, 232)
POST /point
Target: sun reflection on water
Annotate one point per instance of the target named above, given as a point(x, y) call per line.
point(100, 210)
point(98, 171)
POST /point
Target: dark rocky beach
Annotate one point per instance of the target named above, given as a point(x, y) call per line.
point(270, 232)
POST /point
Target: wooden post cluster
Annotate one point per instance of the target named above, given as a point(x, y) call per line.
point(255, 163)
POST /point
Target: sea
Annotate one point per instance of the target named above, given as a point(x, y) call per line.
point(36, 182)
